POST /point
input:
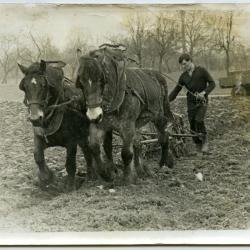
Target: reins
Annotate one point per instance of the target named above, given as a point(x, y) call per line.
point(188, 90)
point(56, 105)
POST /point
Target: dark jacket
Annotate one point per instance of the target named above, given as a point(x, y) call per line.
point(200, 81)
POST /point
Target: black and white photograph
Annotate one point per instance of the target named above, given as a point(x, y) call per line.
point(124, 117)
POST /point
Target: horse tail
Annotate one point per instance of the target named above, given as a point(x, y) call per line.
point(166, 104)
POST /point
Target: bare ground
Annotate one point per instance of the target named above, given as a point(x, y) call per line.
point(171, 200)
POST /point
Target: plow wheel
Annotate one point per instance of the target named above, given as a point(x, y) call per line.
point(177, 145)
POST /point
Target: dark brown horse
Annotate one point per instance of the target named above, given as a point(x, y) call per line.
point(57, 118)
point(123, 99)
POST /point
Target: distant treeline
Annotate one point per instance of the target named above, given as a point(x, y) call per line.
point(154, 41)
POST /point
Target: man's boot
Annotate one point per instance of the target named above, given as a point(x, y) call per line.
point(204, 146)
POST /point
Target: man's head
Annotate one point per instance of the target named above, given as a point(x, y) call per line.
point(186, 63)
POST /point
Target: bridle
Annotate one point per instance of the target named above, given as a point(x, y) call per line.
point(48, 109)
point(44, 103)
point(105, 75)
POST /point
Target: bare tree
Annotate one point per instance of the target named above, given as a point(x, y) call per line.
point(223, 34)
point(196, 30)
point(7, 56)
point(165, 34)
point(183, 36)
point(240, 54)
point(137, 26)
point(36, 48)
point(69, 53)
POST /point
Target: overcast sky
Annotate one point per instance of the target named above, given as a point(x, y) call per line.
point(96, 22)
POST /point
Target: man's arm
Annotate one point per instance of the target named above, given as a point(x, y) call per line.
point(210, 81)
point(174, 92)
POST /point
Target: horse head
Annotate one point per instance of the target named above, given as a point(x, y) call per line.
point(40, 84)
point(101, 76)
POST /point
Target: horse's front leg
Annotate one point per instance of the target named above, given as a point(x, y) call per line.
point(91, 173)
point(71, 166)
point(45, 175)
point(108, 149)
point(163, 139)
point(128, 136)
point(96, 136)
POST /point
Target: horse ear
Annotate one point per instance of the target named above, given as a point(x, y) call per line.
point(78, 54)
point(23, 69)
point(42, 66)
point(21, 85)
point(78, 83)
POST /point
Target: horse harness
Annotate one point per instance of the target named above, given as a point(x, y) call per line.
point(123, 74)
point(51, 109)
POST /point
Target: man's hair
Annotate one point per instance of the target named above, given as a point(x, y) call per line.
point(185, 57)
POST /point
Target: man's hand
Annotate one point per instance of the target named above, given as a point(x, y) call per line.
point(201, 96)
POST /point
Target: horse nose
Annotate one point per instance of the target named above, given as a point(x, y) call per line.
point(99, 118)
point(95, 114)
point(37, 119)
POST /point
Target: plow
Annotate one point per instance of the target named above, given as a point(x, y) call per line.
point(147, 139)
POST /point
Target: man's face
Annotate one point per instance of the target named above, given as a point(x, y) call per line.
point(186, 65)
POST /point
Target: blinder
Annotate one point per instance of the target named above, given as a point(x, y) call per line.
point(112, 69)
point(44, 103)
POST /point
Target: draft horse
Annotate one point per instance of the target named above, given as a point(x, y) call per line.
point(123, 99)
point(55, 110)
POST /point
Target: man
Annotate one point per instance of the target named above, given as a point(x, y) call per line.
point(199, 84)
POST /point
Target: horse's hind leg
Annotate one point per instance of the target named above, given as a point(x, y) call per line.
point(163, 139)
point(45, 175)
point(71, 166)
point(128, 135)
point(141, 169)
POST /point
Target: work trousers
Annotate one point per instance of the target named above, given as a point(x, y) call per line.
point(196, 116)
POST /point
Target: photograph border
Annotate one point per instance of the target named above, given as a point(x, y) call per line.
point(187, 238)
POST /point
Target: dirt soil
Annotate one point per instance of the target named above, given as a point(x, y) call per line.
point(170, 200)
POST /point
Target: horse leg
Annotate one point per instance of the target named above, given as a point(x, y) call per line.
point(108, 147)
point(91, 174)
point(45, 175)
point(163, 139)
point(71, 166)
point(95, 141)
point(128, 135)
point(138, 160)
point(141, 168)
point(108, 138)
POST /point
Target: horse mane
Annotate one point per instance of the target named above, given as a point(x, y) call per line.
point(89, 66)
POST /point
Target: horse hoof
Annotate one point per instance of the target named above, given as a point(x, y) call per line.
point(70, 185)
point(147, 172)
point(106, 176)
point(130, 179)
point(46, 179)
point(170, 163)
point(70, 188)
point(91, 177)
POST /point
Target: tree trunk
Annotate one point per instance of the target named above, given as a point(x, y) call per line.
point(227, 62)
point(183, 38)
point(191, 51)
point(139, 59)
point(160, 63)
point(4, 79)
